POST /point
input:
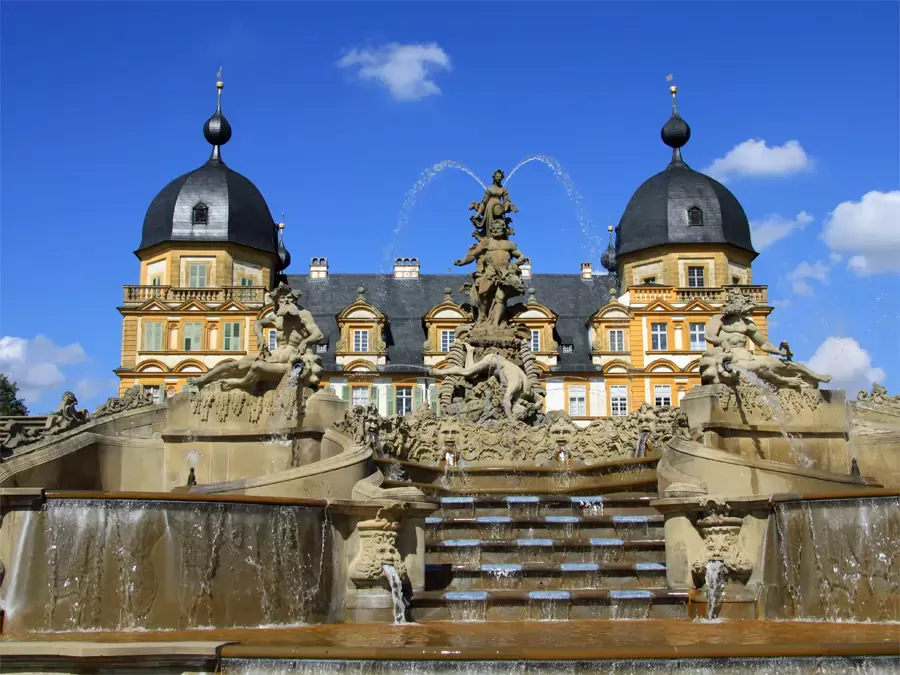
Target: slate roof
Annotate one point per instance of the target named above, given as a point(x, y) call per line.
point(405, 302)
point(237, 213)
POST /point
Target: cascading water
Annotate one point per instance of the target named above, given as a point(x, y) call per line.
point(640, 446)
point(770, 396)
point(467, 605)
point(716, 575)
point(548, 605)
point(396, 593)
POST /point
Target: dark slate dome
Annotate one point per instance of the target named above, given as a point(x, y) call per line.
point(212, 203)
point(681, 206)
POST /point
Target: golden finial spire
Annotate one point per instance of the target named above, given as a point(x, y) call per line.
point(219, 82)
point(609, 228)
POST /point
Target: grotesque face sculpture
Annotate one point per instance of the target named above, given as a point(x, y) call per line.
point(738, 304)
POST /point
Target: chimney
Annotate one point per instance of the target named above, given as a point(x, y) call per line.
point(586, 271)
point(525, 269)
point(318, 268)
point(406, 268)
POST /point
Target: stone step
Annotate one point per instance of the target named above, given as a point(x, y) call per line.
point(541, 505)
point(559, 605)
point(521, 527)
point(532, 576)
point(546, 550)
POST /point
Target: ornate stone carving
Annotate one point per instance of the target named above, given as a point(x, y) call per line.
point(728, 358)
point(377, 548)
point(879, 396)
point(720, 531)
point(296, 335)
point(748, 400)
point(134, 397)
point(424, 437)
point(66, 417)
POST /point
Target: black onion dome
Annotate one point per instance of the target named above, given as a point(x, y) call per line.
point(681, 206)
point(212, 203)
point(608, 259)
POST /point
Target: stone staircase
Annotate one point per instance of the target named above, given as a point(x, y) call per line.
point(510, 544)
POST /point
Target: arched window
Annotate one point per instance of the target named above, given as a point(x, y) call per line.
point(695, 216)
point(200, 214)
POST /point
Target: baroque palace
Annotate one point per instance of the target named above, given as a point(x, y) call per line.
point(606, 342)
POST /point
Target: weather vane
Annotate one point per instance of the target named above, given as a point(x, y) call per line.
point(669, 77)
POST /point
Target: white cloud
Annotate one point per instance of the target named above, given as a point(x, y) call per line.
point(849, 365)
point(868, 231)
point(406, 70)
point(35, 364)
point(754, 157)
point(803, 273)
point(773, 227)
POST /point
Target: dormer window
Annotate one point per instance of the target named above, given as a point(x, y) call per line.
point(200, 214)
point(695, 216)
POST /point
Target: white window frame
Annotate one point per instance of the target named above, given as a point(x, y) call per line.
point(448, 337)
point(659, 339)
point(156, 327)
point(155, 390)
point(272, 339)
point(535, 340)
point(231, 337)
point(403, 400)
point(360, 340)
point(577, 394)
point(613, 343)
point(197, 280)
point(184, 337)
point(359, 396)
point(618, 400)
point(662, 394)
point(696, 269)
point(699, 344)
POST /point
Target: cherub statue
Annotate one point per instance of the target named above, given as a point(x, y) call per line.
point(295, 334)
point(728, 333)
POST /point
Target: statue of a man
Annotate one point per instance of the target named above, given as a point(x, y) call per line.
point(497, 276)
point(728, 333)
point(295, 334)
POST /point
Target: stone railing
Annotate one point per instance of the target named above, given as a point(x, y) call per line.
point(248, 295)
point(714, 295)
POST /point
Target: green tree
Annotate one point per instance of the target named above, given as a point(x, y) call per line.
point(10, 403)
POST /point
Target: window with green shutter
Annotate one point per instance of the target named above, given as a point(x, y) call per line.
point(197, 275)
point(433, 398)
point(389, 399)
point(193, 337)
point(345, 395)
point(417, 397)
point(373, 395)
point(232, 341)
point(153, 336)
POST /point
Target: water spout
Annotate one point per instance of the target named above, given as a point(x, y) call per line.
point(716, 575)
point(397, 596)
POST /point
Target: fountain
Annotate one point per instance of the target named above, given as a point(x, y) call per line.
point(313, 538)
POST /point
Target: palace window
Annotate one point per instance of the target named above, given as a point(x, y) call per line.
point(448, 337)
point(618, 400)
point(232, 333)
point(200, 214)
point(659, 337)
point(193, 340)
point(617, 340)
point(360, 396)
point(404, 400)
point(695, 216)
point(273, 340)
point(246, 281)
point(360, 340)
point(695, 277)
point(153, 336)
point(577, 400)
point(197, 275)
point(662, 394)
point(155, 281)
point(535, 341)
point(154, 390)
point(698, 337)
point(650, 280)
point(735, 281)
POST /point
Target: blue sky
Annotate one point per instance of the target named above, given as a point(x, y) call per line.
point(337, 108)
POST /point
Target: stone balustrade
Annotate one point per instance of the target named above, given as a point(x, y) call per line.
point(248, 295)
point(714, 295)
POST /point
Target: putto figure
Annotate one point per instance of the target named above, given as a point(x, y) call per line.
point(295, 334)
point(728, 334)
